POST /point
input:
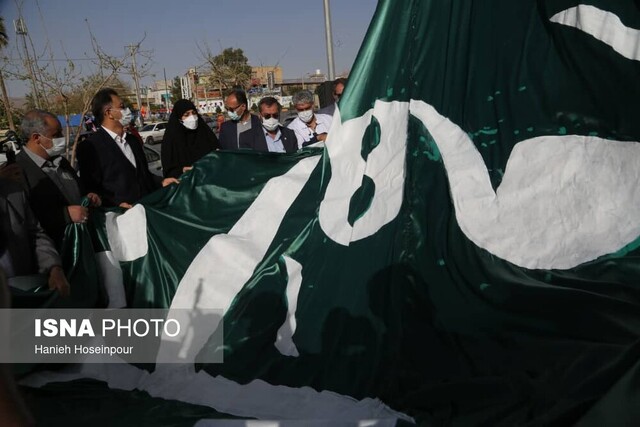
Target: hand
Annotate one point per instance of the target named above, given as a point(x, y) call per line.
point(57, 281)
point(94, 200)
point(78, 214)
point(125, 205)
point(186, 169)
point(169, 181)
point(11, 171)
point(322, 136)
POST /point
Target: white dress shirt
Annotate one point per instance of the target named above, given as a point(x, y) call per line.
point(123, 145)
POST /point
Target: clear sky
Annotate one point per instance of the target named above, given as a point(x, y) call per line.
point(287, 32)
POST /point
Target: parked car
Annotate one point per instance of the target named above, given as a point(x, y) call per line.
point(10, 145)
point(153, 159)
point(153, 133)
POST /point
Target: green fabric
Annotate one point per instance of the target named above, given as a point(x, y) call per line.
point(417, 314)
point(208, 201)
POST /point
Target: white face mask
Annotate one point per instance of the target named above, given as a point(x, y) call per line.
point(126, 117)
point(270, 124)
point(190, 122)
point(306, 115)
point(57, 148)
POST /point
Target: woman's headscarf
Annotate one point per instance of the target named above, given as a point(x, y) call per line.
point(181, 146)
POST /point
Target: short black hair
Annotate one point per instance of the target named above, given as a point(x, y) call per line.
point(100, 100)
point(241, 97)
point(269, 101)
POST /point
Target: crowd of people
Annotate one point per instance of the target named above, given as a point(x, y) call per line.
point(41, 192)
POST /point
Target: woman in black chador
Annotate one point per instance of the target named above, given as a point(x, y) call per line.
point(187, 139)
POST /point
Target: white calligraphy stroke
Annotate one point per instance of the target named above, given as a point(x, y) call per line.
point(604, 26)
point(127, 233)
point(257, 399)
point(385, 165)
point(227, 261)
point(563, 200)
point(284, 342)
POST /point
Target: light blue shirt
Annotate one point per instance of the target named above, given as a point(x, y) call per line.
point(274, 144)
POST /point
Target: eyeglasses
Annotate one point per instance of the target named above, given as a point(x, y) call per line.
point(268, 116)
point(232, 108)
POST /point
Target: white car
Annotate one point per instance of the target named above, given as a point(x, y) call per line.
point(10, 142)
point(153, 160)
point(153, 133)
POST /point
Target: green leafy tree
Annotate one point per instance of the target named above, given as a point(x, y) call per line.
point(176, 91)
point(228, 69)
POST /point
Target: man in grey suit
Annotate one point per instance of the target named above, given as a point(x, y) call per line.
point(25, 249)
point(52, 185)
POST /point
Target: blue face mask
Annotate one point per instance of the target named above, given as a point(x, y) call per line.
point(233, 116)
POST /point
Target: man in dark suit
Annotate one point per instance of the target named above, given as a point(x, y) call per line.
point(244, 129)
point(112, 163)
point(275, 137)
point(51, 183)
point(25, 249)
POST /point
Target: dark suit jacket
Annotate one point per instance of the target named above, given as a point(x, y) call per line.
point(229, 130)
point(31, 250)
point(289, 141)
point(47, 200)
point(105, 170)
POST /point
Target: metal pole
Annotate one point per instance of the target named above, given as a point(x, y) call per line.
point(329, 37)
point(195, 86)
point(21, 30)
point(133, 49)
point(166, 90)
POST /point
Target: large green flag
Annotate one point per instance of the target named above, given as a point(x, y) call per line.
point(463, 251)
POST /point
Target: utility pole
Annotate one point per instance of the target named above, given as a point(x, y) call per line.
point(21, 30)
point(329, 37)
point(133, 49)
point(166, 90)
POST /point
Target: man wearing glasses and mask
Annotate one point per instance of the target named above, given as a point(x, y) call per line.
point(275, 138)
point(244, 130)
point(112, 162)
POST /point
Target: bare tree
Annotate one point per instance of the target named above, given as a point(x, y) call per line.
point(4, 41)
point(108, 66)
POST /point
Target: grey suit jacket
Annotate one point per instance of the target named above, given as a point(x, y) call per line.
point(31, 250)
point(48, 202)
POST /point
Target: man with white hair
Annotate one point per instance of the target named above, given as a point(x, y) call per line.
point(309, 127)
